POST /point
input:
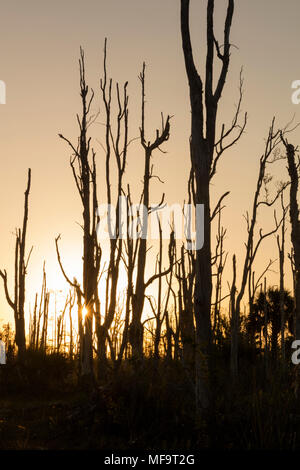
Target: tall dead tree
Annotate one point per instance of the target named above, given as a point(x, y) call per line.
point(21, 264)
point(138, 298)
point(84, 172)
point(205, 151)
point(293, 169)
point(115, 144)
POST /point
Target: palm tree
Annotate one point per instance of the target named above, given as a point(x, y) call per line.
point(267, 311)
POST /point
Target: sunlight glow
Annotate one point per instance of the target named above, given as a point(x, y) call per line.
point(84, 312)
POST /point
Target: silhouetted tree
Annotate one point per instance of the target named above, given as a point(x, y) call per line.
point(114, 145)
point(253, 244)
point(21, 264)
point(295, 224)
point(84, 172)
point(271, 303)
point(205, 152)
point(281, 251)
point(186, 278)
point(138, 297)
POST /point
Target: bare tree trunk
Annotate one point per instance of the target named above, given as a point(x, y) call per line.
point(266, 356)
point(202, 149)
point(34, 325)
point(71, 305)
point(131, 251)
point(158, 313)
point(186, 279)
point(85, 179)
point(169, 355)
point(138, 299)
point(281, 250)
point(234, 324)
point(20, 275)
point(113, 144)
point(219, 261)
point(295, 223)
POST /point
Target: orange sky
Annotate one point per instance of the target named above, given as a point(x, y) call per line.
point(39, 49)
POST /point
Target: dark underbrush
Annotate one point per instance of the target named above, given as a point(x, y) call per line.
point(151, 407)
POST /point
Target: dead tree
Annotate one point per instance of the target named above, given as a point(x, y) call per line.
point(138, 298)
point(266, 340)
point(160, 307)
point(60, 326)
point(72, 299)
point(33, 324)
point(84, 172)
point(44, 310)
point(233, 319)
point(21, 264)
point(205, 152)
point(252, 245)
point(79, 295)
point(129, 259)
point(186, 278)
point(37, 318)
point(295, 226)
point(219, 260)
point(117, 145)
point(281, 251)
point(158, 310)
point(173, 328)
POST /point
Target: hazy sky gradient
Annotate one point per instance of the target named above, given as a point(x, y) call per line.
point(39, 50)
